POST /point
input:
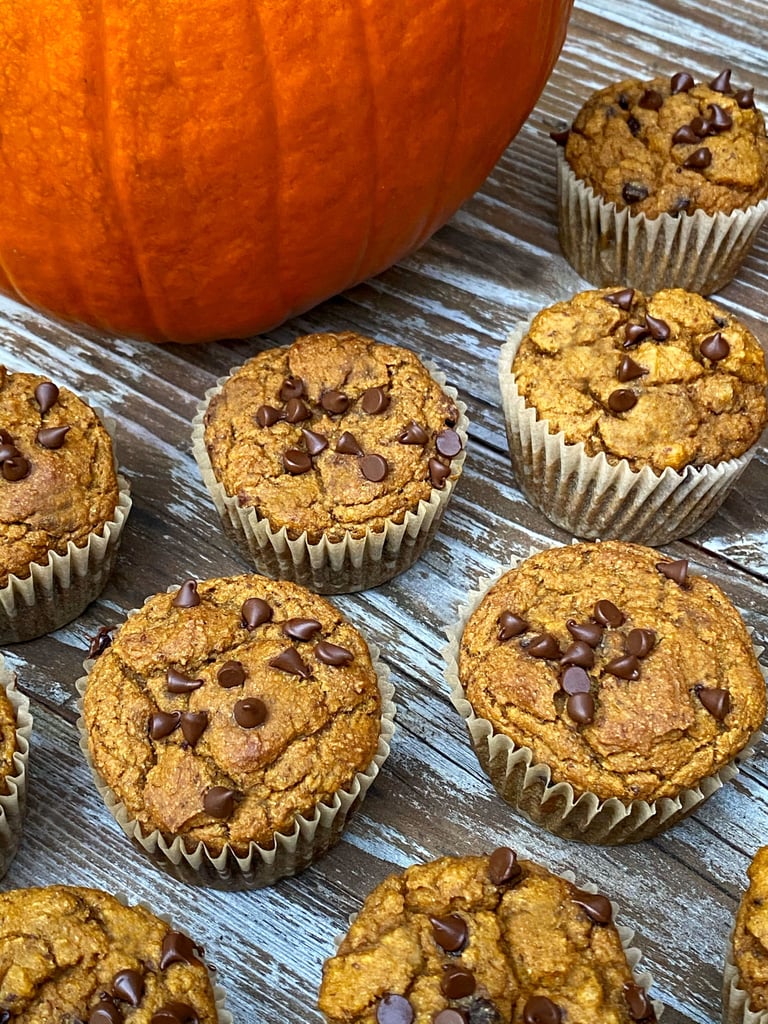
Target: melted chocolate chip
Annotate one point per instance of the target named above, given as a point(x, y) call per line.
point(347, 445)
point(659, 328)
point(540, 1010)
point(177, 682)
point(231, 673)
point(716, 700)
point(681, 82)
point(438, 473)
point(296, 461)
point(626, 666)
point(622, 400)
point(290, 661)
point(560, 137)
point(15, 469)
point(268, 416)
point(250, 712)
point(374, 401)
point(219, 802)
point(745, 99)
point(545, 646)
point(651, 100)
point(178, 948)
point(331, 654)
point(315, 442)
point(297, 411)
point(46, 395)
point(503, 866)
point(510, 625)
point(187, 595)
point(457, 981)
point(685, 136)
point(715, 347)
point(719, 120)
point(450, 933)
point(607, 614)
point(581, 708)
point(598, 907)
point(163, 723)
point(292, 387)
point(394, 1009)
point(448, 443)
point(301, 629)
point(676, 571)
point(622, 299)
point(128, 986)
point(175, 1013)
point(578, 653)
point(634, 192)
point(413, 433)
point(105, 1012)
point(590, 632)
point(575, 680)
point(699, 159)
point(98, 643)
point(193, 725)
point(334, 402)
point(52, 437)
point(628, 370)
point(634, 334)
point(722, 83)
point(640, 642)
point(255, 612)
point(374, 468)
point(450, 1016)
point(639, 1005)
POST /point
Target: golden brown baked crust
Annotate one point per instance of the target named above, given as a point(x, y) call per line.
point(61, 947)
point(172, 757)
point(68, 489)
point(750, 936)
point(392, 410)
point(520, 937)
point(626, 142)
point(8, 743)
point(659, 721)
point(627, 374)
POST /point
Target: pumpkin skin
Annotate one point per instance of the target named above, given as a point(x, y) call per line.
point(199, 169)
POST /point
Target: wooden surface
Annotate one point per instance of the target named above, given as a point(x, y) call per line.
point(454, 301)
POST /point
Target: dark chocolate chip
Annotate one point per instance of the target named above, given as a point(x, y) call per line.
point(457, 981)
point(699, 159)
point(292, 387)
point(575, 680)
point(8, 451)
point(331, 654)
point(597, 906)
point(716, 700)
point(290, 661)
point(560, 137)
point(590, 632)
point(163, 723)
point(301, 629)
point(175, 1013)
point(315, 442)
point(128, 986)
point(659, 328)
point(719, 120)
point(46, 395)
point(607, 614)
point(634, 125)
point(98, 643)
point(685, 136)
point(193, 725)
point(639, 1005)
point(334, 402)
point(651, 100)
point(178, 948)
point(347, 445)
point(250, 712)
point(700, 127)
point(622, 299)
point(255, 612)
point(177, 682)
point(715, 347)
point(438, 473)
point(219, 802)
point(629, 370)
point(297, 411)
point(394, 1009)
point(231, 674)
point(581, 708)
point(374, 401)
point(296, 461)
point(450, 1016)
point(722, 83)
point(413, 433)
point(105, 1012)
point(448, 443)
point(187, 595)
point(677, 571)
point(622, 400)
point(681, 81)
point(540, 1010)
point(450, 933)
point(634, 192)
point(510, 625)
point(16, 468)
point(545, 646)
point(374, 468)
point(640, 642)
point(268, 416)
point(503, 866)
point(52, 437)
point(634, 334)
point(579, 653)
point(626, 666)
point(745, 98)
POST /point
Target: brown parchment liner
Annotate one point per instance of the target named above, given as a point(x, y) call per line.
point(58, 590)
point(587, 495)
point(736, 999)
point(331, 567)
point(698, 251)
point(292, 852)
point(13, 803)
point(528, 787)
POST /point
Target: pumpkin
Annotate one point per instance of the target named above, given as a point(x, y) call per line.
point(198, 169)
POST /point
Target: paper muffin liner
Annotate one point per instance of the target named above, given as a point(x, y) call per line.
point(528, 787)
point(587, 495)
point(326, 566)
point(735, 999)
point(291, 853)
point(700, 252)
point(58, 590)
point(13, 803)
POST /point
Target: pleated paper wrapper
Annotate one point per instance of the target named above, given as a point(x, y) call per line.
point(13, 803)
point(735, 999)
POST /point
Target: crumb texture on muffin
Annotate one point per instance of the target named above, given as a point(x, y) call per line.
point(8, 742)
point(750, 937)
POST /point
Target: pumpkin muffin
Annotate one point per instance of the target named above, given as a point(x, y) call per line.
point(331, 461)
point(492, 939)
point(663, 182)
point(62, 506)
point(225, 715)
point(607, 690)
point(745, 990)
point(15, 731)
point(71, 953)
point(632, 415)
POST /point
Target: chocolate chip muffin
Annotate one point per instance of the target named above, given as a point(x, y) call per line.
point(632, 415)
point(664, 151)
point(62, 506)
point(227, 713)
point(15, 731)
point(611, 669)
point(331, 461)
point(71, 953)
point(745, 992)
point(489, 939)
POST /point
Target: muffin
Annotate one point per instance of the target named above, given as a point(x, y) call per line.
point(632, 415)
point(62, 506)
point(232, 726)
point(745, 984)
point(331, 461)
point(15, 731)
point(492, 939)
point(71, 953)
point(663, 183)
point(607, 691)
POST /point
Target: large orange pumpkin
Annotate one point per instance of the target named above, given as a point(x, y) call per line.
point(193, 169)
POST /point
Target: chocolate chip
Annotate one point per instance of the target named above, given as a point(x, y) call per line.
point(297, 411)
point(413, 433)
point(448, 443)
point(450, 933)
point(374, 468)
point(607, 614)
point(334, 402)
point(331, 654)
point(290, 661)
point(634, 334)
point(105, 1012)
point(634, 125)
point(128, 986)
point(685, 136)
point(98, 643)
point(629, 370)
point(503, 866)
point(590, 632)
point(219, 802)
point(578, 653)
point(581, 708)
point(545, 646)
point(540, 1010)
point(315, 442)
point(8, 451)
point(651, 100)
point(745, 98)
point(622, 299)
point(681, 81)
point(639, 1005)
point(163, 723)
point(699, 159)
point(178, 948)
point(231, 674)
point(715, 699)
point(626, 666)
point(374, 401)
point(394, 1009)
point(677, 571)
point(719, 120)
point(634, 192)
point(177, 682)
point(52, 437)
point(640, 642)
point(700, 127)
point(560, 137)
point(575, 680)
point(622, 400)
point(268, 416)
point(457, 981)
point(510, 625)
point(250, 712)
point(296, 461)
point(715, 347)
point(659, 328)
point(722, 83)
point(597, 906)
point(292, 387)
point(301, 629)
point(450, 1016)
point(438, 473)
point(187, 595)
point(193, 725)
point(46, 395)
point(255, 612)
point(16, 468)
point(347, 445)
point(175, 1013)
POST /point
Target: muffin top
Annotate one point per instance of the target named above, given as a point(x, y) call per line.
point(57, 474)
point(663, 380)
point(335, 433)
point(69, 953)
point(222, 711)
point(671, 146)
point(629, 677)
point(8, 742)
point(488, 939)
point(750, 936)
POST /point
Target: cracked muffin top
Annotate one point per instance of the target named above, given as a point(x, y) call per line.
point(624, 674)
point(482, 940)
point(335, 433)
point(750, 936)
point(70, 953)
point(664, 380)
point(671, 146)
point(222, 711)
point(57, 474)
